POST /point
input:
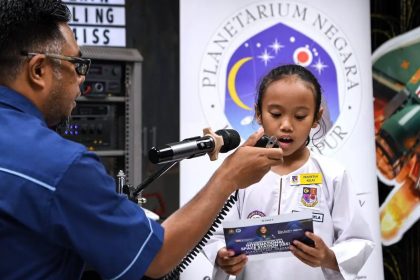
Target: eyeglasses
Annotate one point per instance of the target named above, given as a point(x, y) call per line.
point(82, 65)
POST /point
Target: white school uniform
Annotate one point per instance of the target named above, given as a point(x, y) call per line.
point(336, 219)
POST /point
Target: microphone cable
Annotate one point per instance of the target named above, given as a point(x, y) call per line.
point(264, 141)
point(174, 274)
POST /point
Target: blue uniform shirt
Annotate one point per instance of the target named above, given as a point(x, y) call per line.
point(59, 208)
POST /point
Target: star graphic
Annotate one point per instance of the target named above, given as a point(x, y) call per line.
point(405, 64)
point(319, 66)
point(265, 57)
point(276, 46)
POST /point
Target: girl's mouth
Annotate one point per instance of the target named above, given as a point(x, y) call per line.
point(284, 141)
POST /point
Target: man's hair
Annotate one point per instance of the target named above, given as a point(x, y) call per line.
point(28, 25)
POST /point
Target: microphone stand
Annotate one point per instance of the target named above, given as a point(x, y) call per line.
point(133, 192)
point(153, 177)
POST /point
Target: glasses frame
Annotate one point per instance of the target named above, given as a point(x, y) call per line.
point(82, 65)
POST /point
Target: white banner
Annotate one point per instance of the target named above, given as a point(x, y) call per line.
point(99, 36)
point(330, 37)
point(98, 22)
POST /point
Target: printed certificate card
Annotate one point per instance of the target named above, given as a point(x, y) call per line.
point(267, 237)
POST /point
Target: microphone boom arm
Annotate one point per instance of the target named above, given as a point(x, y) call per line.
point(153, 177)
point(232, 139)
point(218, 143)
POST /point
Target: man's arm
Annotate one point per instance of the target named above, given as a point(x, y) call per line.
point(183, 229)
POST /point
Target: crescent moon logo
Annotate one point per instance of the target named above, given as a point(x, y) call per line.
point(232, 83)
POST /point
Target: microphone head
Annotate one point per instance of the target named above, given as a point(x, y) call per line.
point(231, 139)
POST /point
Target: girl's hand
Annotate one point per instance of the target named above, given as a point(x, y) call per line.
point(320, 255)
point(231, 265)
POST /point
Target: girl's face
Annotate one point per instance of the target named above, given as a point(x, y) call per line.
point(287, 112)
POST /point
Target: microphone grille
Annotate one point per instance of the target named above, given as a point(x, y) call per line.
point(231, 139)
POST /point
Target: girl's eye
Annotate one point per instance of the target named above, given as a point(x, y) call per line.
point(274, 114)
point(300, 117)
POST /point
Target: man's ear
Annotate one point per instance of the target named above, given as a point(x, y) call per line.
point(318, 117)
point(37, 70)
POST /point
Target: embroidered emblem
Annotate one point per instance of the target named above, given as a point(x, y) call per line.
point(255, 214)
point(294, 180)
point(309, 197)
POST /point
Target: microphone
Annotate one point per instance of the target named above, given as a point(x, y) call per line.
point(222, 141)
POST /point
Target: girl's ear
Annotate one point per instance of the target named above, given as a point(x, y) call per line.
point(257, 114)
point(318, 117)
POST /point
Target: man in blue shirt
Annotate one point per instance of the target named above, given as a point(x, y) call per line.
point(58, 207)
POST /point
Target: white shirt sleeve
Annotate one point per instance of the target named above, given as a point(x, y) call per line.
point(353, 240)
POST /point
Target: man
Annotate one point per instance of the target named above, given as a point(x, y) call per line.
point(58, 207)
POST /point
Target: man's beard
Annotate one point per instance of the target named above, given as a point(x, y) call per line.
point(55, 117)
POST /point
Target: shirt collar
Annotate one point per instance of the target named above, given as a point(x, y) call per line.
point(16, 100)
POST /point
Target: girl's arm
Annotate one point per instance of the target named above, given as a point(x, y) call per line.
point(353, 239)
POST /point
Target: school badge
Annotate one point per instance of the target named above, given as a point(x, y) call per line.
point(294, 180)
point(255, 214)
point(309, 196)
point(264, 35)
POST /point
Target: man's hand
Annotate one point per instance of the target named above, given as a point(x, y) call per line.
point(248, 164)
point(230, 264)
point(320, 255)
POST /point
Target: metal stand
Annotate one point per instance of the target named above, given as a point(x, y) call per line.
point(134, 193)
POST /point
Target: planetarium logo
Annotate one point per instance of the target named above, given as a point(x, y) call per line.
point(264, 35)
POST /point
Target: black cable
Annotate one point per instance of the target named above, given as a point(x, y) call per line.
point(174, 274)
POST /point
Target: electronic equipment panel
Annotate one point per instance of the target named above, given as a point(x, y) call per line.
point(104, 79)
point(97, 126)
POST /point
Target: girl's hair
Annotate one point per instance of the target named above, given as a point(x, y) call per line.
point(288, 71)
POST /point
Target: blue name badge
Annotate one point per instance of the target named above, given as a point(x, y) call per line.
point(268, 237)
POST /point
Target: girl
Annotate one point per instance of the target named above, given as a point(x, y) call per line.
point(288, 106)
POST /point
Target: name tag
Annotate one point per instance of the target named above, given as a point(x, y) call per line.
point(306, 179)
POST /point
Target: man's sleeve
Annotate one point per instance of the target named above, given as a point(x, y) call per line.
point(111, 233)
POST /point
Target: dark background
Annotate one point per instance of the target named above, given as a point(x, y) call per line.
point(390, 19)
point(153, 28)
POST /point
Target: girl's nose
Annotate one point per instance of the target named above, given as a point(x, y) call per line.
point(286, 124)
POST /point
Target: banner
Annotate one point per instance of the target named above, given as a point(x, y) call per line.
point(98, 22)
point(227, 46)
point(396, 89)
